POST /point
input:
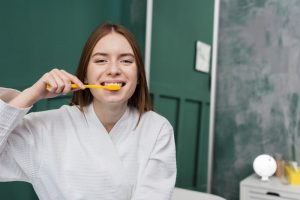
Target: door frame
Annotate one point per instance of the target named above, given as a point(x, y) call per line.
point(149, 16)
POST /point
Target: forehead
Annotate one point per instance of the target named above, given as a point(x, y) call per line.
point(113, 43)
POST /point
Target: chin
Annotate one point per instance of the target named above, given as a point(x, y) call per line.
point(113, 101)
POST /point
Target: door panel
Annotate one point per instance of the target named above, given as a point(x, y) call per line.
point(179, 92)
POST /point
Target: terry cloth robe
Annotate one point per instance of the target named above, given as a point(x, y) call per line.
point(67, 154)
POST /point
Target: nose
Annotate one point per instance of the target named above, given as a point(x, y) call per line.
point(113, 69)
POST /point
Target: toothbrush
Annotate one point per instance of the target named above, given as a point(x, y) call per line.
point(108, 87)
point(295, 166)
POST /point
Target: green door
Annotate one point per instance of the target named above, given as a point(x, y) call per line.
point(37, 36)
point(179, 92)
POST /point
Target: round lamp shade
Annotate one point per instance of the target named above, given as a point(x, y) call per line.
point(265, 166)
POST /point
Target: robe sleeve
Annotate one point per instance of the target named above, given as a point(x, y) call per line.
point(16, 141)
point(158, 178)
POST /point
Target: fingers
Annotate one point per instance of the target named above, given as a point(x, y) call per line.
point(74, 79)
point(59, 81)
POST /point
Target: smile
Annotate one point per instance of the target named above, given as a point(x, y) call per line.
point(121, 84)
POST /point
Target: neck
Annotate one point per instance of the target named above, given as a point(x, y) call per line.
point(109, 114)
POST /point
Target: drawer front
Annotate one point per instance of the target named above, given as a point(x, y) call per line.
point(251, 193)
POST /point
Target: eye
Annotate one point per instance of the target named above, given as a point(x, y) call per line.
point(127, 61)
point(100, 61)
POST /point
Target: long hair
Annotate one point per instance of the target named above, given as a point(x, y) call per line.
point(140, 98)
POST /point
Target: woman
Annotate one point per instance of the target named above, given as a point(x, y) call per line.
point(105, 145)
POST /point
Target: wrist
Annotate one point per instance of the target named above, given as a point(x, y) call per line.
point(30, 96)
point(24, 99)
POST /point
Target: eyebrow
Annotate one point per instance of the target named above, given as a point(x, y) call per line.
point(106, 54)
point(99, 54)
point(126, 54)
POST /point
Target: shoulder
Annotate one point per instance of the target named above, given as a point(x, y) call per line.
point(54, 122)
point(49, 116)
point(156, 132)
point(154, 116)
point(155, 120)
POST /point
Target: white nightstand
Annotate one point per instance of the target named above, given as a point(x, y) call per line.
point(252, 188)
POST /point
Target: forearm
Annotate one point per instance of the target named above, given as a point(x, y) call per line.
point(158, 178)
point(9, 118)
point(59, 82)
point(14, 143)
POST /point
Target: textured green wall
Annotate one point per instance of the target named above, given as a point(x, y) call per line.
point(258, 88)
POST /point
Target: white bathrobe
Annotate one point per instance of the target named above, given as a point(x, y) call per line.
point(66, 154)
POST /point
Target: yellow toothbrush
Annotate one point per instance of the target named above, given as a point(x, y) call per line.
point(108, 87)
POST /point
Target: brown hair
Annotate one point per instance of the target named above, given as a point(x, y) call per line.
point(140, 98)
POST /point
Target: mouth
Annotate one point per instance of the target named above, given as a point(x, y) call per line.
point(119, 83)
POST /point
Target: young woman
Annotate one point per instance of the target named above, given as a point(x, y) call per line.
point(105, 145)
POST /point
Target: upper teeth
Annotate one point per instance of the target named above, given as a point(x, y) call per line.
point(107, 83)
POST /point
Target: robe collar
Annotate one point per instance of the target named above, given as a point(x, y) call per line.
point(124, 124)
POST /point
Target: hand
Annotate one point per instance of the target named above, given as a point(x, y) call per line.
point(58, 82)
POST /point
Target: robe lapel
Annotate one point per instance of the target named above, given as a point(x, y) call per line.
point(110, 140)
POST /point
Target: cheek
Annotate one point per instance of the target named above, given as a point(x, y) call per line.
point(92, 73)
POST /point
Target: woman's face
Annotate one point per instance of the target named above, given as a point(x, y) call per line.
point(112, 62)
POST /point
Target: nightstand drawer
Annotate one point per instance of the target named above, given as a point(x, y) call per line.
point(267, 194)
point(252, 188)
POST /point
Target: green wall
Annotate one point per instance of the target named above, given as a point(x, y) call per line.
point(258, 88)
point(37, 36)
